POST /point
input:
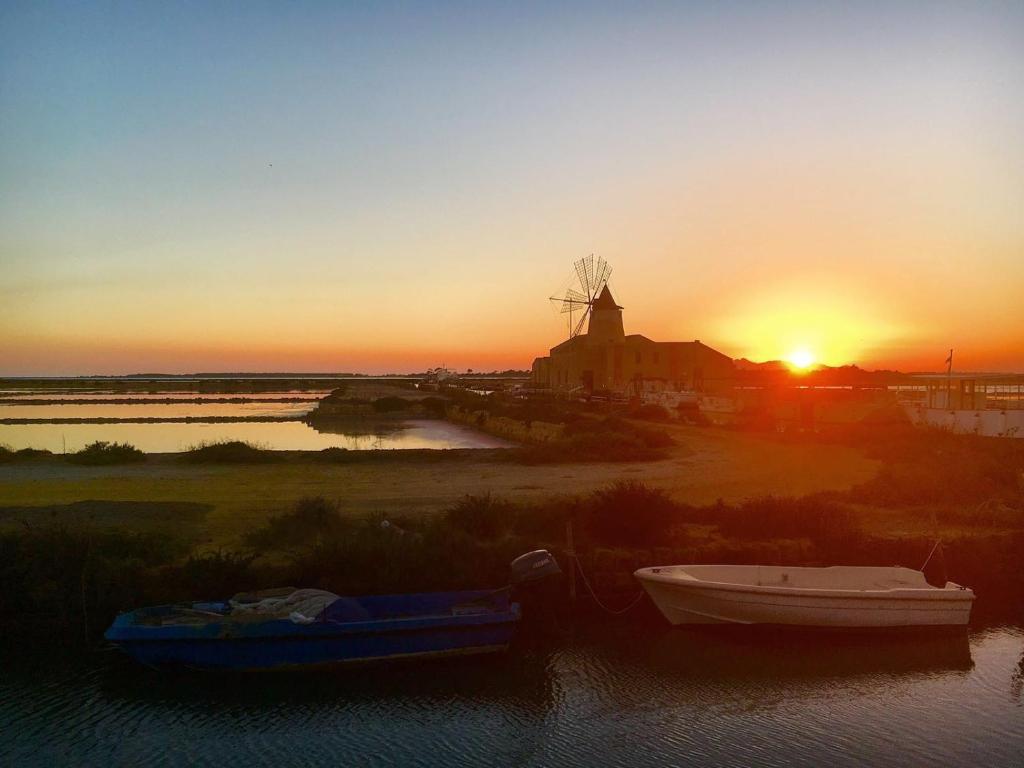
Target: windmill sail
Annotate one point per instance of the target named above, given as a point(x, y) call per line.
point(578, 302)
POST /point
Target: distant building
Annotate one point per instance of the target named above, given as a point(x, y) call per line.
point(606, 358)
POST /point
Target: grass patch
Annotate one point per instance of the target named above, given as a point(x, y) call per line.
point(230, 452)
point(102, 454)
point(936, 467)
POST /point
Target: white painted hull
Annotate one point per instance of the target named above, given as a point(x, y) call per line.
point(808, 597)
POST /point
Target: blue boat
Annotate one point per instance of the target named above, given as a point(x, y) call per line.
point(308, 627)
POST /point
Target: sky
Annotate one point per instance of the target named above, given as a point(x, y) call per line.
point(386, 187)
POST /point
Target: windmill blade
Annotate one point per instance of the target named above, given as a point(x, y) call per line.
point(579, 325)
point(601, 275)
point(573, 300)
point(581, 273)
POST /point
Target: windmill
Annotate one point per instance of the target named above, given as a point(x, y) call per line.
point(584, 286)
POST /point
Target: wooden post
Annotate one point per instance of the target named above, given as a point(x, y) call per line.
point(571, 551)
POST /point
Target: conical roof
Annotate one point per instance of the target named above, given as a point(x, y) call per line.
point(605, 300)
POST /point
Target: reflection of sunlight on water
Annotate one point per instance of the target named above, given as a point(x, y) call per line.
point(357, 434)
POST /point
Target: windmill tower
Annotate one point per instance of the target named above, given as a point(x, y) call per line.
point(587, 292)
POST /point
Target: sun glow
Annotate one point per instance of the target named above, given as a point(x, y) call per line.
point(801, 359)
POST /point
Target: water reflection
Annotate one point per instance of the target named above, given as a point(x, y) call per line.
point(778, 655)
point(353, 434)
point(625, 694)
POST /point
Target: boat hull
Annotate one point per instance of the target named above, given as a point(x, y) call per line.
point(273, 653)
point(694, 602)
point(280, 643)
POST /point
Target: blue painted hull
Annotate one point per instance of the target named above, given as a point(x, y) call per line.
point(357, 629)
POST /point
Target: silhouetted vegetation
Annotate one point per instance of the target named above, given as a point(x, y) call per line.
point(311, 519)
point(102, 453)
point(435, 406)
point(230, 452)
point(599, 439)
point(629, 514)
point(482, 516)
point(76, 578)
point(937, 467)
point(392, 404)
point(8, 455)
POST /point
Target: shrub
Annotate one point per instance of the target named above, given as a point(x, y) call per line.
point(483, 517)
point(70, 575)
point(334, 454)
point(8, 455)
point(217, 574)
point(230, 452)
point(776, 517)
point(102, 453)
point(629, 514)
point(311, 520)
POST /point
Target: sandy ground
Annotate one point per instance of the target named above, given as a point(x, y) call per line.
point(706, 465)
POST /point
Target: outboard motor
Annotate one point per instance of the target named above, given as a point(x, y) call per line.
point(533, 567)
point(536, 586)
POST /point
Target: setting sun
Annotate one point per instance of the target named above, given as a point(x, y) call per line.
point(801, 359)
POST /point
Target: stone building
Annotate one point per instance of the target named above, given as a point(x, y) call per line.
point(605, 358)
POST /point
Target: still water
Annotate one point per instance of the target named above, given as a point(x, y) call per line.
point(355, 434)
point(626, 694)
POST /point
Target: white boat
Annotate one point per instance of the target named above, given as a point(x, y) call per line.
point(839, 596)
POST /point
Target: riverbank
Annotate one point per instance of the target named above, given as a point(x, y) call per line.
point(79, 543)
point(701, 466)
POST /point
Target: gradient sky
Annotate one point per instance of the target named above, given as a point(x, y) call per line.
point(386, 187)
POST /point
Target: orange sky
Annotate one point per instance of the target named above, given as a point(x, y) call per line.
point(390, 190)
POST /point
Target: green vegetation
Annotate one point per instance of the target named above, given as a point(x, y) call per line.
point(74, 565)
point(939, 468)
point(77, 576)
point(230, 452)
point(102, 453)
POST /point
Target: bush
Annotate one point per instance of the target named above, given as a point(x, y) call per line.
point(64, 575)
point(630, 514)
point(778, 517)
point(483, 517)
point(102, 453)
point(218, 574)
point(311, 520)
point(8, 455)
point(230, 452)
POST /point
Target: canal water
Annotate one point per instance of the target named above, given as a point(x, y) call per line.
point(355, 434)
point(622, 694)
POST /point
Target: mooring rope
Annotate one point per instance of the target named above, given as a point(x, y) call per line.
point(593, 594)
point(928, 559)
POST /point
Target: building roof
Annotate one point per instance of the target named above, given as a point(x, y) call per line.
point(605, 300)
